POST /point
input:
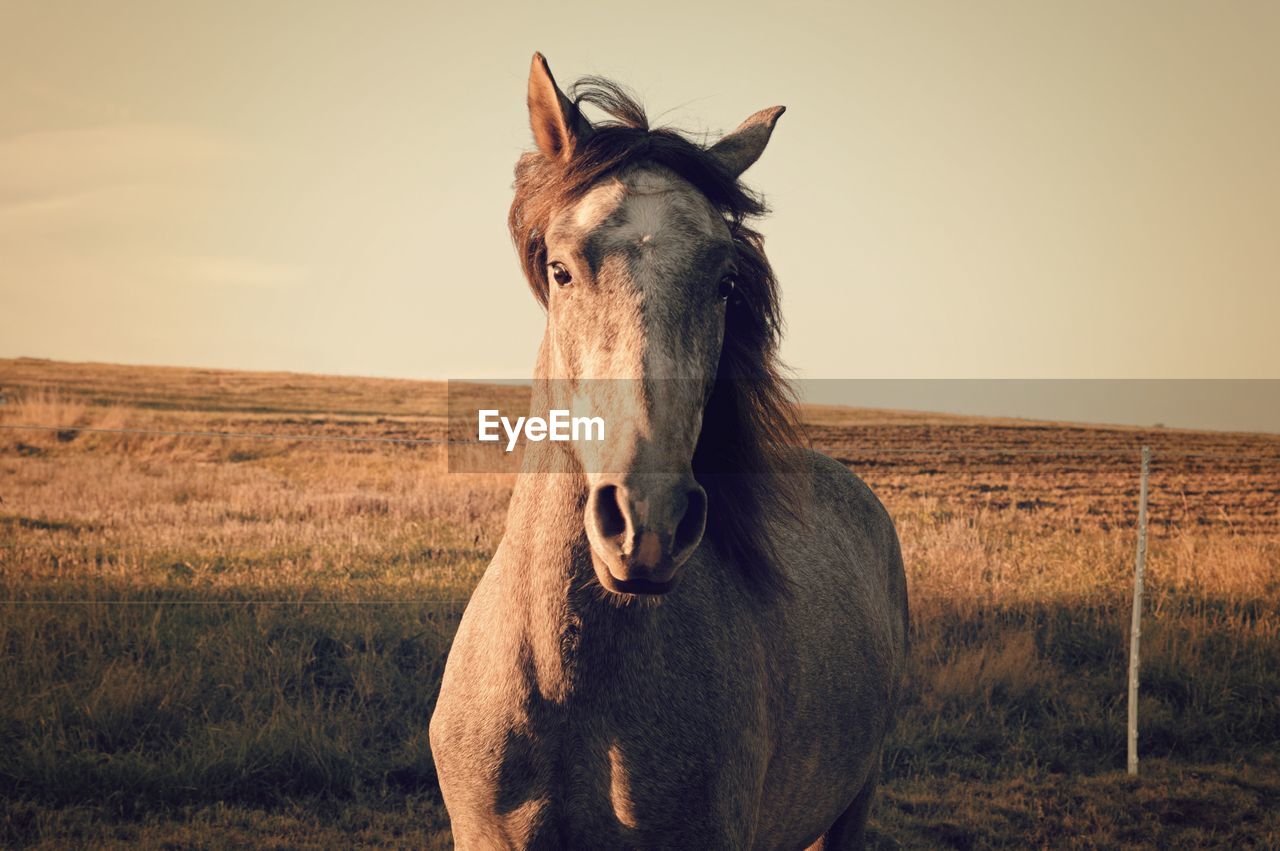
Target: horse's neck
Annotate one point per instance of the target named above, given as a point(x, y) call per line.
point(548, 579)
point(555, 604)
point(544, 531)
point(544, 522)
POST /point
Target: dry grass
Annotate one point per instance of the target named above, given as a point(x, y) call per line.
point(257, 632)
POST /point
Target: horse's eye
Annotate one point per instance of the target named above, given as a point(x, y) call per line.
point(727, 285)
point(560, 274)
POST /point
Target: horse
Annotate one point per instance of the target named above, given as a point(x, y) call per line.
point(693, 634)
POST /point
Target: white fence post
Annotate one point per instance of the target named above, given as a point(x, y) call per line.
point(1135, 630)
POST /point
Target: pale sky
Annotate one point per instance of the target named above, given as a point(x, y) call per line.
point(974, 189)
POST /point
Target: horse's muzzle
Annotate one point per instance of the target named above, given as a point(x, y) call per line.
point(643, 531)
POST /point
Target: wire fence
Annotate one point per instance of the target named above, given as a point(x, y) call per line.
point(238, 435)
point(457, 601)
point(1140, 450)
point(1083, 452)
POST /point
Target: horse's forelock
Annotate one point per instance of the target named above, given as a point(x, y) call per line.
point(751, 418)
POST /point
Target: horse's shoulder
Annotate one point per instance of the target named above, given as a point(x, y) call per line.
point(838, 487)
point(846, 519)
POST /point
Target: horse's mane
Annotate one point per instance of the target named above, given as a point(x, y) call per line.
point(750, 425)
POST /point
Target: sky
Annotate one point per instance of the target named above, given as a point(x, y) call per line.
point(959, 190)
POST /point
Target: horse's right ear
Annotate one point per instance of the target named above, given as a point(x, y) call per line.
point(559, 128)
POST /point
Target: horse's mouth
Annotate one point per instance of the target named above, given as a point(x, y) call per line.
point(642, 581)
point(637, 586)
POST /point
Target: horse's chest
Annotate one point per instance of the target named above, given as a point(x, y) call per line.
point(620, 754)
point(570, 778)
point(629, 770)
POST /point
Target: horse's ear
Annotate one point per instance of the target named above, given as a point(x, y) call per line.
point(559, 128)
point(737, 151)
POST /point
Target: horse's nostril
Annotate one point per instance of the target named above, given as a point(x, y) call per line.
point(691, 526)
point(610, 520)
point(654, 542)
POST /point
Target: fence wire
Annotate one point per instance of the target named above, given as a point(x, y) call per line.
point(248, 435)
point(427, 441)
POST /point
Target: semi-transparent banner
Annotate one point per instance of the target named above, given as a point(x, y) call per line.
point(605, 425)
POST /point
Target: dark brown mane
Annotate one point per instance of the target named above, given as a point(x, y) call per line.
point(750, 421)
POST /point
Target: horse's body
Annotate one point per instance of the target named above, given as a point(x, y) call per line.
point(724, 714)
point(708, 721)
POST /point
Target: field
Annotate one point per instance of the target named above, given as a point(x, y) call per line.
point(224, 642)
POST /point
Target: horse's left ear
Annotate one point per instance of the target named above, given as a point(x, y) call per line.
point(737, 151)
point(559, 127)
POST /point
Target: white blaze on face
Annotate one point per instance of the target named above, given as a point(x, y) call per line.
point(597, 205)
point(627, 325)
point(659, 215)
point(649, 200)
point(620, 319)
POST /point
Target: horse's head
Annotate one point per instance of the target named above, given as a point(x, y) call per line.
point(632, 239)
